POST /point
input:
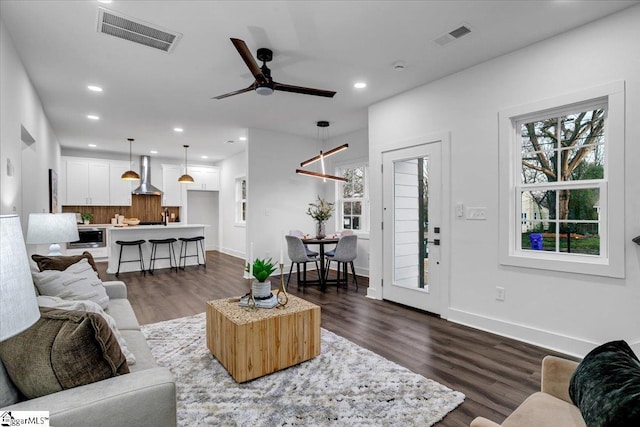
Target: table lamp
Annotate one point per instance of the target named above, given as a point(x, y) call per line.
point(52, 228)
point(19, 305)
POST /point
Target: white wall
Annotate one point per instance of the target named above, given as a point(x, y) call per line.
point(232, 234)
point(358, 152)
point(27, 190)
point(277, 196)
point(568, 312)
point(203, 209)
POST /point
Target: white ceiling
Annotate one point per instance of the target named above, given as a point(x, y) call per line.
point(320, 44)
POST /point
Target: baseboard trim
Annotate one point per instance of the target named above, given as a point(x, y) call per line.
point(233, 253)
point(571, 346)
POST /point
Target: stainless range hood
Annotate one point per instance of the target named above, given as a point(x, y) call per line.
point(145, 188)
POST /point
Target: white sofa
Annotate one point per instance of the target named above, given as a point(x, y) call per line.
point(144, 397)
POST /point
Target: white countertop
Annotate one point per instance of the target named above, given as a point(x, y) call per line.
point(144, 227)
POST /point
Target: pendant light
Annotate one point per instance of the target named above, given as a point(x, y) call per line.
point(130, 175)
point(186, 178)
point(322, 124)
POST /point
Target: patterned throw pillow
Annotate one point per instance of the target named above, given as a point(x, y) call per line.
point(77, 282)
point(62, 350)
point(606, 386)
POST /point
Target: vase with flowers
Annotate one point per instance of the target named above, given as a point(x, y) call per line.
point(321, 211)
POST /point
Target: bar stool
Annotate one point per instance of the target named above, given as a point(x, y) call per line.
point(184, 243)
point(137, 243)
point(154, 252)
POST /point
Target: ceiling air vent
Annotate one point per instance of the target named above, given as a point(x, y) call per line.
point(453, 35)
point(124, 27)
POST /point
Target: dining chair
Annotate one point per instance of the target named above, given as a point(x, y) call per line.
point(340, 234)
point(345, 252)
point(298, 255)
point(300, 234)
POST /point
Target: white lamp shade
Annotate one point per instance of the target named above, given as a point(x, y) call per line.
point(17, 295)
point(52, 228)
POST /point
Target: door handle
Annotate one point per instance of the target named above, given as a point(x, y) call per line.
point(434, 241)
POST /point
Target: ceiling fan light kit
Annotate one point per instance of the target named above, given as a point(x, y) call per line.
point(264, 84)
point(130, 175)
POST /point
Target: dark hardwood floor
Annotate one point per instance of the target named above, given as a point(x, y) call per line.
point(495, 373)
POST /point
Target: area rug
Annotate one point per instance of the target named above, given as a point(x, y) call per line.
point(345, 385)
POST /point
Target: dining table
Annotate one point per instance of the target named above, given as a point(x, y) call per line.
point(321, 244)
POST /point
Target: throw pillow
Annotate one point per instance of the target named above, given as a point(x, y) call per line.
point(61, 263)
point(77, 282)
point(62, 350)
point(90, 306)
point(606, 386)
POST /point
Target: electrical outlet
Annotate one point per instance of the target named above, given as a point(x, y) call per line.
point(500, 293)
point(477, 214)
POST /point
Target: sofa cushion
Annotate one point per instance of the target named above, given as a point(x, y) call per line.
point(61, 263)
point(138, 345)
point(8, 391)
point(77, 282)
point(122, 312)
point(90, 306)
point(542, 409)
point(606, 386)
point(62, 350)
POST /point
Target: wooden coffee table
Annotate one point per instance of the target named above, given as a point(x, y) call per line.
point(250, 344)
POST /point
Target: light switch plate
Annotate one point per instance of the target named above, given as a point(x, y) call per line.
point(478, 213)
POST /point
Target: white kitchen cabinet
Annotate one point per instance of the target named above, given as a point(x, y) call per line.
point(87, 181)
point(120, 189)
point(171, 188)
point(207, 178)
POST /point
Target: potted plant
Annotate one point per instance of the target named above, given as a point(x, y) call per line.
point(262, 269)
point(321, 211)
point(86, 217)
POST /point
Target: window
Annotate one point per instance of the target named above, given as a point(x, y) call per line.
point(241, 200)
point(557, 179)
point(562, 179)
point(352, 198)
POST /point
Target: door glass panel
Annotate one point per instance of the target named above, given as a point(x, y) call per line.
point(411, 198)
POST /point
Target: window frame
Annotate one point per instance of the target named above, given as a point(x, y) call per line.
point(611, 261)
point(339, 199)
point(240, 201)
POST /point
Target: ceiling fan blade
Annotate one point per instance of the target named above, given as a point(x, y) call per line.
point(237, 92)
point(245, 53)
point(303, 90)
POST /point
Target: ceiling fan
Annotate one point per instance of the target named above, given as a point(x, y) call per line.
point(264, 84)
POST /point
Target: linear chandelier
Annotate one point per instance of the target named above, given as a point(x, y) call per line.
point(320, 157)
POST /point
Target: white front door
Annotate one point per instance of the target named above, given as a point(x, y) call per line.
point(412, 214)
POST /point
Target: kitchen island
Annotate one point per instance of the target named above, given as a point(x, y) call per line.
point(146, 232)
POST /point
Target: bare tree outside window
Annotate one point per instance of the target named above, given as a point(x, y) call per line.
point(561, 157)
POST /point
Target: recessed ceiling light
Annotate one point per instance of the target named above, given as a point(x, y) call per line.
point(94, 88)
point(231, 141)
point(243, 138)
point(93, 117)
point(153, 152)
point(360, 85)
point(92, 145)
point(178, 129)
point(204, 157)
